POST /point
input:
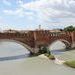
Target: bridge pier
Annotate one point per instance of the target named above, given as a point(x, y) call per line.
point(73, 45)
point(73, 40)
point(36, 50)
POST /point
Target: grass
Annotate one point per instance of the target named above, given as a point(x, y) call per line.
point(70, 63)
point(50, 56)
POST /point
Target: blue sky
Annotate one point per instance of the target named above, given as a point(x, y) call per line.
point(29, 14)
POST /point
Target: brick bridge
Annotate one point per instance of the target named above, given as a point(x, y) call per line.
point(33, 39)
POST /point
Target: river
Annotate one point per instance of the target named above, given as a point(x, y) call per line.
point(14, 60)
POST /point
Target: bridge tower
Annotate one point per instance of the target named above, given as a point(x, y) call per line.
point(35, 42)
point(39, 27)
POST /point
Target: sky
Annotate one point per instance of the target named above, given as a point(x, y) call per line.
point(29, 14)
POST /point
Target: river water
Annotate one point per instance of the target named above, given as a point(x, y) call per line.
point(14, 60)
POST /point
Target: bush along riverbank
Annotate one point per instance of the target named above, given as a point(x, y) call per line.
point(45, 50)
point(70, 63)
point(50, 56)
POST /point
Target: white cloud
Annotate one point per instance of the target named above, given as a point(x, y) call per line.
point(8, 12)
point(49, 9)
point(46, 10)
point(19, 2)
point(18, 12)
point(6, 2)
point(35, 5)
point(3, 24)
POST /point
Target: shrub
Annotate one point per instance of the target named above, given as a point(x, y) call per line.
point(46, 54)
point(44, 49)
point(50, 56)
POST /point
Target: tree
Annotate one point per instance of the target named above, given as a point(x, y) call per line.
point(69, 28)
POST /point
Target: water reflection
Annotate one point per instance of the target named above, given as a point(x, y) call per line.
point(57, 47)
point(56, 52)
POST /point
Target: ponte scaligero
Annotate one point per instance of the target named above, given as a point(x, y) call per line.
point(32, 39)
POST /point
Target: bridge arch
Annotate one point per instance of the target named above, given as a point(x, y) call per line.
point(19, 42)
point(67, 43)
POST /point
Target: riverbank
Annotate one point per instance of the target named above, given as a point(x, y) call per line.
point(33, 66)
point(56, 60)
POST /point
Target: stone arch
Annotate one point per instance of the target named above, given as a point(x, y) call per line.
point(67, 43)
point(19, 42)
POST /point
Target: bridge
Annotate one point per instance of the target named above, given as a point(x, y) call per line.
point(32, 40)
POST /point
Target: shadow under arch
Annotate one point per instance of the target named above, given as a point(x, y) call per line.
point(18, 42)
point(67, 44)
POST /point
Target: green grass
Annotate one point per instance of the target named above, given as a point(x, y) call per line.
point(50, 56)
point(70, 63)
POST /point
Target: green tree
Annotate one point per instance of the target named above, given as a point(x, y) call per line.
point(69, 28)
